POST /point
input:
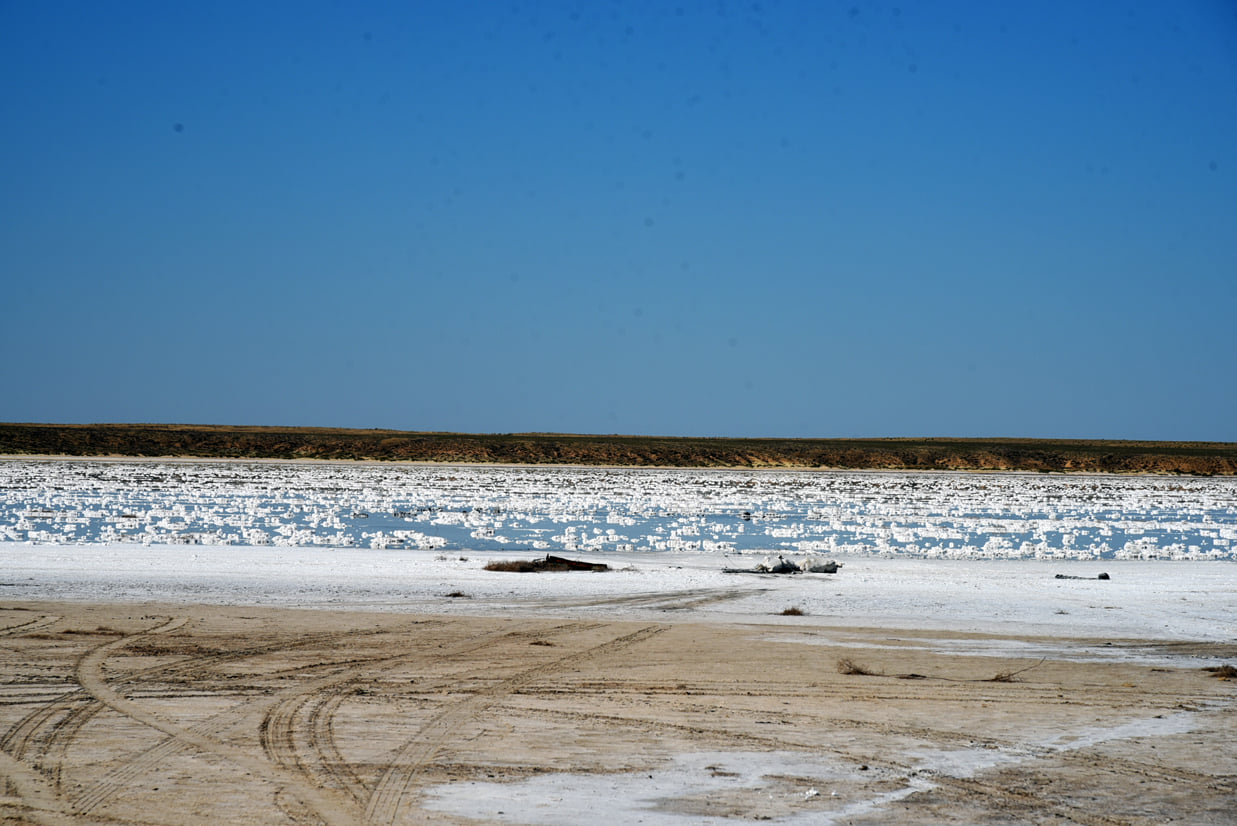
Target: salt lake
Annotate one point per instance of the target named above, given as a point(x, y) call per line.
point(569, 509)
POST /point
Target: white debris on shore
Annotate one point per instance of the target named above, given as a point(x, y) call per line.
point(809, 565)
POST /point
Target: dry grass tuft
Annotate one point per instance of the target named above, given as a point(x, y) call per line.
point(1008, 676)
point(848, 666)
point(792, 611)
point(1222, 672)
point(458, 595)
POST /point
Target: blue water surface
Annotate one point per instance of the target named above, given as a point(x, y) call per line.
point(553, 509)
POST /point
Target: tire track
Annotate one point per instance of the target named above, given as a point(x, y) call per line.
point(36, 624)
point(277, 733)
point(1152, 771)
point(139, 766)
point(986, 785)
point(118, 779)
point(428, 712)
point(21, 737)
point(27, 737)
point(51, 756)
point(280, 741)
point(390, 799)
point(665, 601)
point(39, 800)
point(90, 675)
point(967, 788)
point(320, 760)
point(723, 734)
point(275, 715)
point(322, 743)
point(94, 796)
point(1020, 802)
point(62, 718)
point(689, 600)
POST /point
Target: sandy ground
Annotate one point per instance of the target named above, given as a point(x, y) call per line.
point(176, 713)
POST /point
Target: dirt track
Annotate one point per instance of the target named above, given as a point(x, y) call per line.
point(197, 715)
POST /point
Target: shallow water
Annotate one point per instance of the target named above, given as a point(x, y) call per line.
point(936, 515)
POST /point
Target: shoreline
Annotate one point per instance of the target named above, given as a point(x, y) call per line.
point(1143, 599)
point(206, 714)
point(119, 458)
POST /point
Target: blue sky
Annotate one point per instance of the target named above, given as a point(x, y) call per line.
point(722, 219)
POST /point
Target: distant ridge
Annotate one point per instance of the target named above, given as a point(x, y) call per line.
point(252, 442)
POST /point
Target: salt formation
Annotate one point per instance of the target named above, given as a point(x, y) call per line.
point(728, 512)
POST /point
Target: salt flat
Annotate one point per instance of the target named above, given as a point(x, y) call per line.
point(1141, 599)
point(194, 682)
point(402, 507)
point(190, 684)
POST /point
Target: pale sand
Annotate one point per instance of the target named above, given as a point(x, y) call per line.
point(190, 714)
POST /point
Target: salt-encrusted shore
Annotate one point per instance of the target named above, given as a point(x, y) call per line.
point(193, 684)
point(1143, 599)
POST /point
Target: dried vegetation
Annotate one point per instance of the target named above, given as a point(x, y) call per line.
point(224, 441)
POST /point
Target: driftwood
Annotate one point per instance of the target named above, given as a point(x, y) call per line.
point(1068, 576)
point(551, 564)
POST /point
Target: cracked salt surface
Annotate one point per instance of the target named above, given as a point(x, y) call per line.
point(734, 786)
point(963, 763)
point(1070, 650)
point(717, 788)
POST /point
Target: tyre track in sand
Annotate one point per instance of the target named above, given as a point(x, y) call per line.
point(138, 766)
point(326, 806)
point(1146, 771)
point(36, 624)
point(63, 716)
point(322, 743)
point(37, 799)
point(304, 741)
point(50, 725)
point(989, 787)
point(274, 715)
point(17, 739)
point(27, 739)
point(1020, 803)
point(399, 715)
point(393, 794)
point(53, 750)
point(656, 600)
point(982, 787)
point(53, 727)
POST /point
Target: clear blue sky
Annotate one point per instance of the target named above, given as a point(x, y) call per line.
point(734, 219)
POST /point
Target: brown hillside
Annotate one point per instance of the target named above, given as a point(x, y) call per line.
point(216, 441)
